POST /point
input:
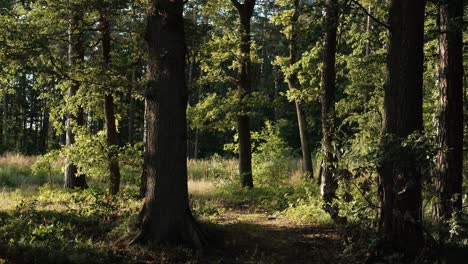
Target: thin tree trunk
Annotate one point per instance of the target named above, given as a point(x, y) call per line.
point(131, 111)
point(196, 143)
point(5, 122)
point(111, 130)
point(293, 84)
point(449, 166)
point(329, 183)
point(400, 214)
point(368, 29)
point(76, 57)
point(244, 88)
point(45, 131)
point(166, 216)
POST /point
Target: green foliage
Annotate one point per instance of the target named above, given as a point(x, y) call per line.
point(271, 156)
point(47, 164)
point(90, 153)
point(357, 196)
point(307, 208)
point(72, 234)
point(219, 112)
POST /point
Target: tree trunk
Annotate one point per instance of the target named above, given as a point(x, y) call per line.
point(244, 88)
point(45, 131)
point(5, 122)
point(449, 166)
point(111, 130)
point(293, 84)
point(144, 177)
point(196, 143)
point(131, 110)
point(166, 216)
point(400, 175)
point(329, 183)
point(76, 57)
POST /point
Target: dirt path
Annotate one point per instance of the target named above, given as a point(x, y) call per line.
point(262, 238)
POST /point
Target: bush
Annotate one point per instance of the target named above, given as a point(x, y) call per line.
point(271, 158)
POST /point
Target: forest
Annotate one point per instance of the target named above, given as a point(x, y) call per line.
point(233, 131)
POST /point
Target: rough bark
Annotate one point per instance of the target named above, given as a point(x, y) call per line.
point(400, 220)
point(329, 182)
point(144, 177)
point(448, 173)
point(166, 216)
point(244, 88)
point(76, 57)
point(111, 130)
point(293, 84)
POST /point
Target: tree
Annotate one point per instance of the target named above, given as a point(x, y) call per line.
point(74, 120)
point(290, 70)
point(166, 215)
point(449, 166)
point(400, 172)
point(293, 84)
point(111, 130)
point(329, 182)
point(244, 88)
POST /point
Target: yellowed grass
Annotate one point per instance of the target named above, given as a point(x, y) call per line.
point(17, 160)
point(200, 187)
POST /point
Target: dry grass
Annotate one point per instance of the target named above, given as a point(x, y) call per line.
point(212, 168)
point(200, 187)
point(17, 160)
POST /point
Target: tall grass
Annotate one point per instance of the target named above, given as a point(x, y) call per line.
point(212, 169)
point(16, 171)
point(10, 159)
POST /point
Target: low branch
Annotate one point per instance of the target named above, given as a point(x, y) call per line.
point(370, 15)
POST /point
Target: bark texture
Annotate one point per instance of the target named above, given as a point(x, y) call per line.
point(400, 220)
point(166, 216)
point(448, 173)
point(244, 88)
point(293, 84)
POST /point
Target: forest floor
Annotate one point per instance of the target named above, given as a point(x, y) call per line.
point(276, 222)
point(264, 238)
point(51, 225)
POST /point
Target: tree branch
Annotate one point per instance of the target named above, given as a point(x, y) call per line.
point(237, 4)
point(370, 15)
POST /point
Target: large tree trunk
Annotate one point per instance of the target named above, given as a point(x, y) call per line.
point(76, 58)
point(293, 84)
point(111, 130)
point(244, 88)
point(329, 182)
point(166, 215)
point(449, 166)
point(400, 175)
